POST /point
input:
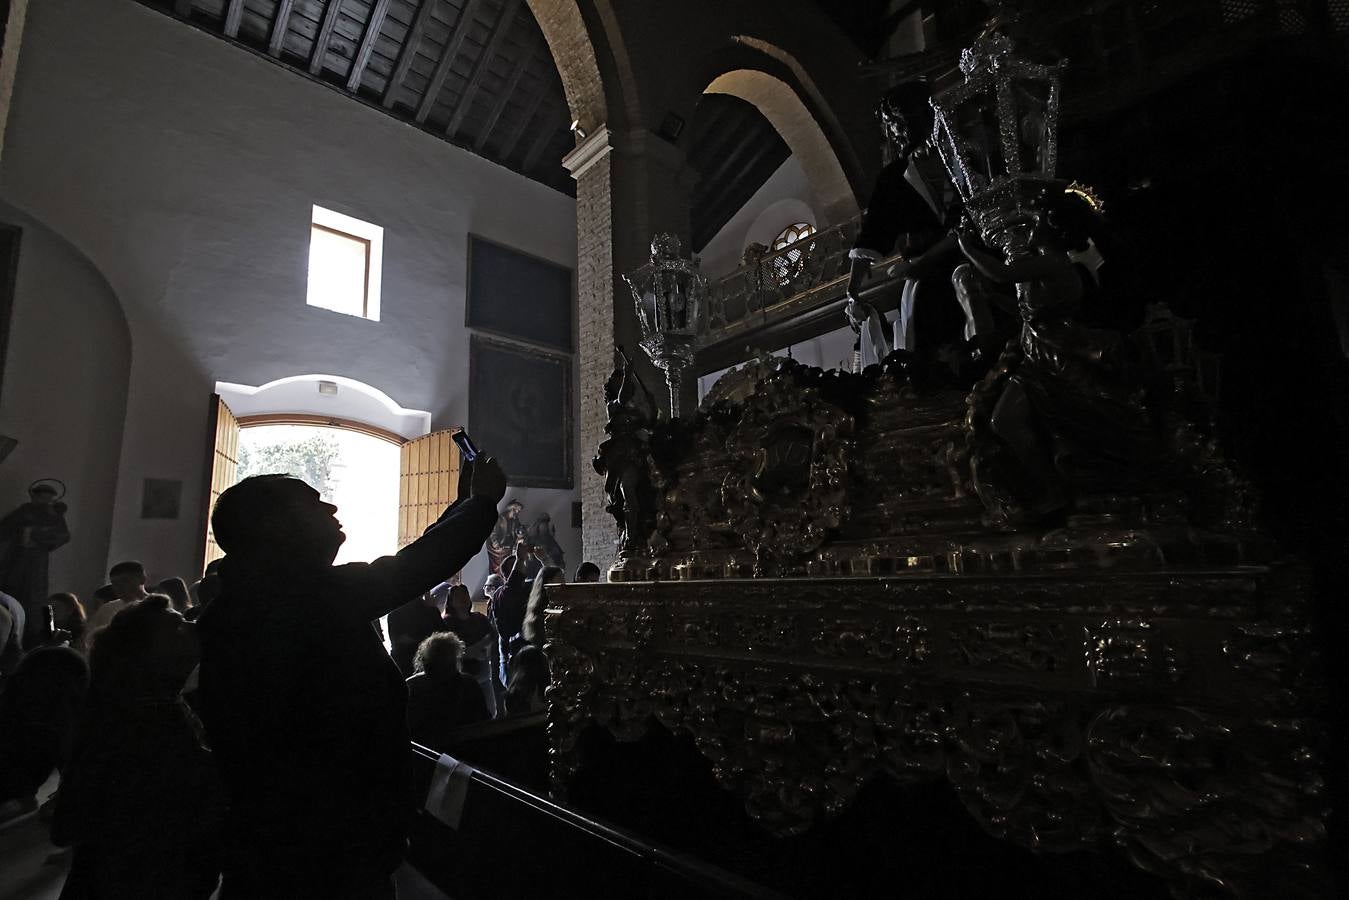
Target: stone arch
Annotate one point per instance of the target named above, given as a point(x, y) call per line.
point(573, 52)
point(783, 107)
point(815, 98)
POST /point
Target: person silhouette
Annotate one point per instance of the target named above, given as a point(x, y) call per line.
point(303, 707)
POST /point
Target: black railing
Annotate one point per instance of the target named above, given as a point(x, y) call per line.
point(512, 842)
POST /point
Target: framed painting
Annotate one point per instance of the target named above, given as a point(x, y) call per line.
point(519, 410)
point(519, 296)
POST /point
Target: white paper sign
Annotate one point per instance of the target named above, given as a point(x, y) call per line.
point(449, 790)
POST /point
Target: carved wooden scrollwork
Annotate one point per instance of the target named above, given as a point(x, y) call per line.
point(1156, 713)
point(787, 488)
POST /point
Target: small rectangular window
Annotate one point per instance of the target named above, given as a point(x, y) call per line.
point(345, 264)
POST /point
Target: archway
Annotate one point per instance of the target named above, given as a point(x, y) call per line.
point(318, 428)
point(807, 141)
point(332, 397)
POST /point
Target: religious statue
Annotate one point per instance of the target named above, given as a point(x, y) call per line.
point(1067, 406)
point(624, 457)
point(508, 531)
point(27, 536)
point(909, 211)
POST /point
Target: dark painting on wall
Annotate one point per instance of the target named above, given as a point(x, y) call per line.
point(161, 498)
point(518, 295)
point(519, 411)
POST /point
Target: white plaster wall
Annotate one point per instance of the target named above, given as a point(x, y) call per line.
point(186, 169)
point(68, 340)
point(785, 199)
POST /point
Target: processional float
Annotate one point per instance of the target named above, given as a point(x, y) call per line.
point(1048, 589)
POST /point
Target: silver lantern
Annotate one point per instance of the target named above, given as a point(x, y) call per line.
point(670, 293)
point(997, 134)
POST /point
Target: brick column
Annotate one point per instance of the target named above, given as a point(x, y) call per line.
point(591, 165)
point(628, 186)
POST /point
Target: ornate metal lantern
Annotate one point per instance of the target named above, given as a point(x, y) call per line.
point(670, 294)
point(997, 134)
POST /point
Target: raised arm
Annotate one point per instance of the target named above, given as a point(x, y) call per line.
point(445, 548)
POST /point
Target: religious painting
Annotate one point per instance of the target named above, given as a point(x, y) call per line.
point(518, 295)
point(160, 498)
point(510, 529)
point(520, 411)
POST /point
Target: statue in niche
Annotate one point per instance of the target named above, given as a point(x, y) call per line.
point(624, 457)
point(28, 535)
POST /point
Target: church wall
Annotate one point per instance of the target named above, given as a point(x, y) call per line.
point(64, 395)
point(186, 169)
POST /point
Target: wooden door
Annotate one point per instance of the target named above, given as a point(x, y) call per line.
point(428, 482)
point(224, 467)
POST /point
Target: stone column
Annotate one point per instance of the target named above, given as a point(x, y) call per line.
point(591, 165)
point(628, 186)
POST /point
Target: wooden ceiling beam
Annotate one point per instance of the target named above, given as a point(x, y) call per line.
point(280, 25)
point(320, 49)
point(446, 60)
point(736, 155)
point(508, 148)
point(720, 153)
point(730, 201)
point(372, 28)
point(503, 25)
point(507, 92)
point(234, 14)
point(408, 52)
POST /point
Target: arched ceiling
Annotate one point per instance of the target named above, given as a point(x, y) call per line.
point(734, 149)
point(476, 73)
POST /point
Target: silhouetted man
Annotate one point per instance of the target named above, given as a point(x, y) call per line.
point(302, 706)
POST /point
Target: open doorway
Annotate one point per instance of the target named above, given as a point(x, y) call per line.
point(355, 470)
point(387, 488)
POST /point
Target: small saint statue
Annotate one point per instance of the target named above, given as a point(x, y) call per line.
point(624, 457)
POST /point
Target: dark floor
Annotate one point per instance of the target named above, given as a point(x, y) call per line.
point(32, 868)
point(892, 841)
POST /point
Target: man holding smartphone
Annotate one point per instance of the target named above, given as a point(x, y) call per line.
point(305, 711)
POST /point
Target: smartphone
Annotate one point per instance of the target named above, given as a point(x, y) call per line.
point(49, 622)
point(467, 449)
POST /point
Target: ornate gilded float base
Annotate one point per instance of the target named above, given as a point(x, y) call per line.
point(1160, 712)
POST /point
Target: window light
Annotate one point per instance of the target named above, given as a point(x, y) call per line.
point(789, 265)
point(345, 264)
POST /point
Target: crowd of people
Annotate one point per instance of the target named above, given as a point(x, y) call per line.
point(253, 726)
